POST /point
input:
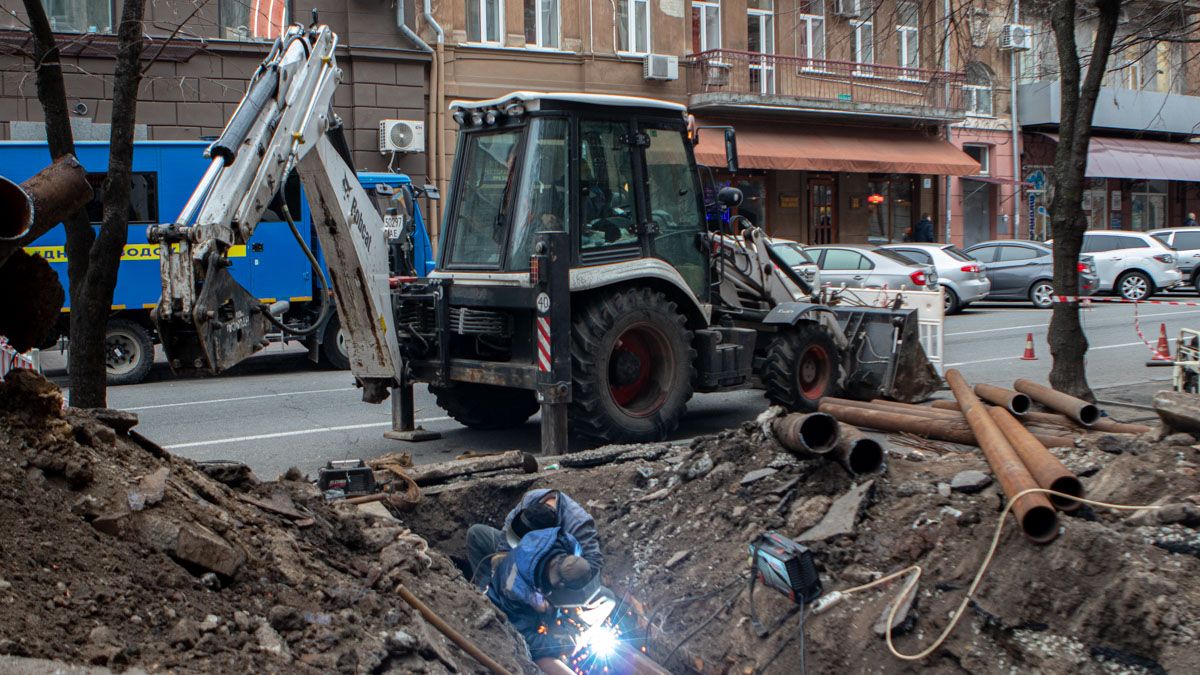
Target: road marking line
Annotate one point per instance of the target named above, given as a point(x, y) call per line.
point(1043, 325)
point(1017, 358)
point(297, 432)
point(240, 398)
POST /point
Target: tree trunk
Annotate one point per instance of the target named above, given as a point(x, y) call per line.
point(92, 261)
point(1068, 344)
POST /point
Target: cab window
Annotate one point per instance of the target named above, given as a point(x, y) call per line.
point(607, 207)
point(485, 183)
point(543, 201)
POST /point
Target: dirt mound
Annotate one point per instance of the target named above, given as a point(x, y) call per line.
point(1113, 592)
point(118, 554)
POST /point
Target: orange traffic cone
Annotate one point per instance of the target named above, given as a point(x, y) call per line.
point(1162, 351)
point(1029, 355)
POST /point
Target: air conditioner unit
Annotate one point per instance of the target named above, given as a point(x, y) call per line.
point(660, 67)
point(847, 8)
point(1016, 37)
point(401, 136)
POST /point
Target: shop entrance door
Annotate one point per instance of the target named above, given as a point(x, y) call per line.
point(821, 212)
point(977, 211)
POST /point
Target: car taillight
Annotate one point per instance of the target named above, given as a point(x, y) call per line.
point(1165, 258)
point(971, 268)
point(918, 278)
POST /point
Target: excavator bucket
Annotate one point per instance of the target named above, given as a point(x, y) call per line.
point(885, 358)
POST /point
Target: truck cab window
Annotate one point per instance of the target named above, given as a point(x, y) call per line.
point(542, 203)
point(143, 197)
point(607, 205)
point(481, 216)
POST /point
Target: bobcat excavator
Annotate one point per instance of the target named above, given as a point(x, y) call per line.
point(581, 271)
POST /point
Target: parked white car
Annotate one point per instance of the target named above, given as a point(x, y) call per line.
point(1131, 264)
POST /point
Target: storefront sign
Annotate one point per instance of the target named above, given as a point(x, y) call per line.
point(1032, 211)
point(789, 201)
point(1115, 197)
point(855, 203)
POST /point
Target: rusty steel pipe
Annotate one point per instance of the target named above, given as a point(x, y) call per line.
point(954, 425)
point(1013, 401)
point(1034, 512)
point(1043, 466)
point(1103, 424)
point(806, 435)
point(451, 634)
point(856, 452)
point(1077, 409)
point(40, 203)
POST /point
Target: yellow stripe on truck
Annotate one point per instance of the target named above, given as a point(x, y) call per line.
point(58, 254)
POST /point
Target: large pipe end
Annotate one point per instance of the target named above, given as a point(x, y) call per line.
point(1040, 523)
point(812, 433)
point(1089, 414)
point(19, 205)
point(864, 456)
point(1019, 404)
point(1068, 485)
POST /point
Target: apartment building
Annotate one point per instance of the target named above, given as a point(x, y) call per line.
point(200, 56)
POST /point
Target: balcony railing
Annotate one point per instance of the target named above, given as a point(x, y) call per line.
point(727, 77)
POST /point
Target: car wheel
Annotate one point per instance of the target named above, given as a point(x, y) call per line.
point(950, 303)
point(1135, 286)
point(1196, 283)
point(1041, 294)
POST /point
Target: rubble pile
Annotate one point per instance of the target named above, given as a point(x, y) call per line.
point(1115, 592)
point(118, 554)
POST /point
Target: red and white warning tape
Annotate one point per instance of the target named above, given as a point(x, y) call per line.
point(1086, 300)
point(11, 360)
point(543, 343)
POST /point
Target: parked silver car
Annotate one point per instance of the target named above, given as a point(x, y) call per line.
point(1020, 269)
point(1186, 242)
point(1131, 264)
point(866, 266)
point(793, 254)
point(960, 276)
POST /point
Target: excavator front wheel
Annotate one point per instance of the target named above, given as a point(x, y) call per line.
point(803, 366)
point(632, 367)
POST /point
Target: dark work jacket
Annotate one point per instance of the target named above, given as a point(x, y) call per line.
point(573, 519)
point(923, 231)
point(518, 581)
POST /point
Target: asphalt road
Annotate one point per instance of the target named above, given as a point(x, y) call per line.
point(278, 410)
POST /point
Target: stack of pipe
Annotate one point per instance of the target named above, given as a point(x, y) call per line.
point(1069, 411)
point(821, 436)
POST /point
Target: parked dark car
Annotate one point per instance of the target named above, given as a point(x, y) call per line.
point(1024, 270)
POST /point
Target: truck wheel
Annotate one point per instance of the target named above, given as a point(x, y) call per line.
point(486, 406)
point(802, 367)
point(128, 352)
point(333, 345)
point(631, 362)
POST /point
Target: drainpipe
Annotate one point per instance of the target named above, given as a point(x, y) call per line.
point(946, 67)
point(436, 76)
point(408, 32)
point(1016, 134)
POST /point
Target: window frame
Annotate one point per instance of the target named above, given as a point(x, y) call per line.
point(539, 27)
point(985, 152)
point(809, 21)
point(863, 68)
point(908, 37)
point(481, 40)
point(765, 20)
point(221, 26)
point(705, 7)
point(630, 49)
point(110, 28)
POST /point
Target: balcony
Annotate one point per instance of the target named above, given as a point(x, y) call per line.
point(724, 80)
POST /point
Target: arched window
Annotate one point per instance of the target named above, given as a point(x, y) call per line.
point(977, 92)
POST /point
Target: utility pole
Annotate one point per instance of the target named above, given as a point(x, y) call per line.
point(1014, 118)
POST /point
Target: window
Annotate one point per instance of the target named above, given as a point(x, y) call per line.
point(143, 197)
point(760, 31)
point(843, 259)
point(633, 26)
point(792, 255)
point(80, 16)
point(706, 25)
point(810, 30)
point(674, 206)
point(1187, 241)
point(258, 20)
point(542, 203)
point(981, 154)
point(1131, 242)
point(485, 21)
point(541, 23)
point(957, 253)
point(914, 255)
point(908, 34)
point(1012, 253)
point(1148, 205)
point(1041, 60)
point(984, 254)
point(608, 212)
point(1099, 243)
point(864, 45)
point(977, 92)
point(480, 216)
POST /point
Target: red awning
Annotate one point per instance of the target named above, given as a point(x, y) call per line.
point(1147, 160)
point(863, 150)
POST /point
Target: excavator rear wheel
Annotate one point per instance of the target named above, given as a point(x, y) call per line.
point(631, 361)
point(802, 367)
point(485, 406)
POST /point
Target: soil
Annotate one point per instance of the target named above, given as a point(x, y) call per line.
point(1114, 592)
point(118, 554)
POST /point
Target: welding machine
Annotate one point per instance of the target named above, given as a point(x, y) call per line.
point(780, 563)
point(348, 477)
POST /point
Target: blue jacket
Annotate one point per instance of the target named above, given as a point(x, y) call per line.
point(516, 585)
point(573, 519)
point(923, 231)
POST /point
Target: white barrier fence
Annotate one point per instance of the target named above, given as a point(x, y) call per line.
point(930, 313)
point(11, 360)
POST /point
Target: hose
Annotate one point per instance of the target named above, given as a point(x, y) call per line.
point(915, 571)
point(326, 306)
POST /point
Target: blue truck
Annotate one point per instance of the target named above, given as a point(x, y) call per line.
point(272, 266)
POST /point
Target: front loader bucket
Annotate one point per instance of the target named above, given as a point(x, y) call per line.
point(885, 356)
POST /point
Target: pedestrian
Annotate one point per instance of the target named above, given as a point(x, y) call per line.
point(923, 231)
point(523, 586)
point(1191, 221)
point(538, 509)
